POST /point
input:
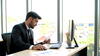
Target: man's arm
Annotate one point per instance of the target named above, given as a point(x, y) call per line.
point(44, 42)
point(17, 39)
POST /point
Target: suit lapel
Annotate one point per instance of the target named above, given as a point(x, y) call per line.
point(31, 36)
point(29, 39)
point(24, 30)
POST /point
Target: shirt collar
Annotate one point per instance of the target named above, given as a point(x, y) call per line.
point(27, 26)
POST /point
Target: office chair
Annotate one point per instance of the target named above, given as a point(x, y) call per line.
point(7, 40)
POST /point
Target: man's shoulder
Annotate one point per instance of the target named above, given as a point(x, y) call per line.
point(19, 25)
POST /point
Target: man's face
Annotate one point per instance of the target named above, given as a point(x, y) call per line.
point(33, 23)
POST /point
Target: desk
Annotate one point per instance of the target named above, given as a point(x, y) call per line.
point(56, 52)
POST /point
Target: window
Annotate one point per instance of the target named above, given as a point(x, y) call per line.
point(82, 12)
point(0, 16)
point(48, 10)
point(16, 12)
point(0, 22)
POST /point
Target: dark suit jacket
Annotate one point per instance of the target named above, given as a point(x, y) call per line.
point(19, 38)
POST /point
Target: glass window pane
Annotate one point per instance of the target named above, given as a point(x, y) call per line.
point(82, 12)
point(0, 22)
point(0, 16)
point(47, 9)
point(16, 12)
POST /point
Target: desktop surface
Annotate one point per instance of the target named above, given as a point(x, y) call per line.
point(62, 51)
point(55, 46)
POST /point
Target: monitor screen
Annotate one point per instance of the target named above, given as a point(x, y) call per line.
point(72, 27)
point(71, 37)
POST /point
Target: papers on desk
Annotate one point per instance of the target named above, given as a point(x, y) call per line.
point(46, 53)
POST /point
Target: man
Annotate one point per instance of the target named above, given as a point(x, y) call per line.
point(21, 37)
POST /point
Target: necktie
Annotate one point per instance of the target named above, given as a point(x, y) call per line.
point(30, 36)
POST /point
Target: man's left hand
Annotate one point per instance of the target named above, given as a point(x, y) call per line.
point(47, 41)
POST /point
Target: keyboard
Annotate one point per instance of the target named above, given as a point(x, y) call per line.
point(55, 46)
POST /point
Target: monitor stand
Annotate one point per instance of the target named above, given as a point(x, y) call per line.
point(70, 45)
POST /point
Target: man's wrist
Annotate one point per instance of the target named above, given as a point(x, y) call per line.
point(31, 47)
point(41, 43)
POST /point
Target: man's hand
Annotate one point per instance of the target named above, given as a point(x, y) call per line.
point(38, 47)
point(68, 34)
point(47, 41)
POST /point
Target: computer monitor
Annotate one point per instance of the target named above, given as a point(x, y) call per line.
point(70, 35)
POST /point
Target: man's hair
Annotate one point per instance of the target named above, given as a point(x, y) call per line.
point(32, 14)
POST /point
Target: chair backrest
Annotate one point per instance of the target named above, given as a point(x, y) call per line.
point(7, 39)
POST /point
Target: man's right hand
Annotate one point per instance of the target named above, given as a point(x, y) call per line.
point(38, 47)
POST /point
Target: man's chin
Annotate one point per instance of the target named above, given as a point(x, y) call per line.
point(32, 27)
